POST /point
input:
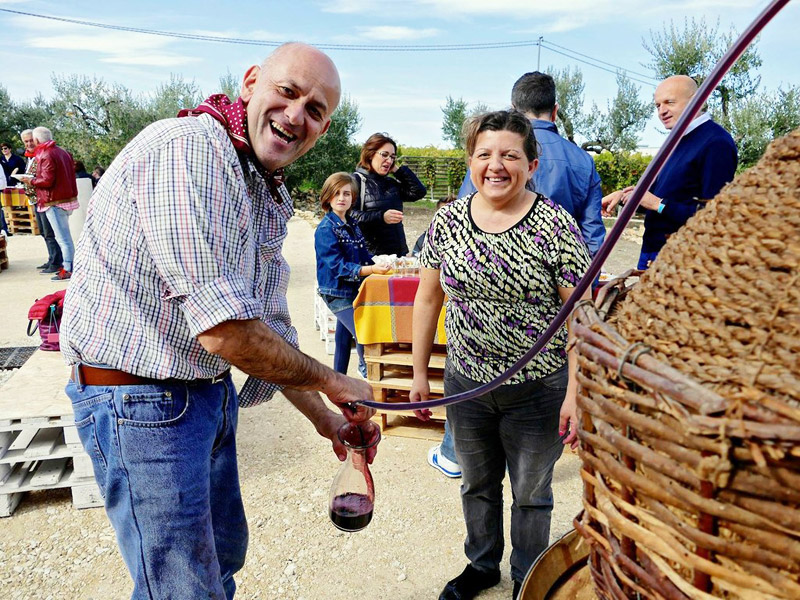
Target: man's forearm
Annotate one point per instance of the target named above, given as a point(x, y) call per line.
point(258, 351)
point(313, 408)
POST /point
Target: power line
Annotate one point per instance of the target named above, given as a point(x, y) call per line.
point(603, 62)
point(273, 43)
point(344, 47)
point(648, 83)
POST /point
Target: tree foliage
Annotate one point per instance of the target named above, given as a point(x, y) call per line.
point(618, 127)
point(95, 119)
point(569, 96)
point(694, 50)
point(335, 151)
point(620, 169)
point(759, 119)
point(753, 117)
point(455, 113)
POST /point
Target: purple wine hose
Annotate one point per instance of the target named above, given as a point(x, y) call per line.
point(721, 68)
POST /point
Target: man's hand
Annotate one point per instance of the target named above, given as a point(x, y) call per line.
point(393, 216)
point(326, 421)
point(610, 202)
point(344, 391)
point(380, 269)
point(649, 201)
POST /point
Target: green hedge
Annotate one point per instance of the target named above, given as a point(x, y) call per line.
point(619, 170)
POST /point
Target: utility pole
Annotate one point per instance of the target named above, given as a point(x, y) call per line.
point(539, 57)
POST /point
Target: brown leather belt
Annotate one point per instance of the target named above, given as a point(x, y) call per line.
point(87, 375)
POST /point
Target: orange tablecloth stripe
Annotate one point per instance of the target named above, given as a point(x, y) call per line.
point(383, 308)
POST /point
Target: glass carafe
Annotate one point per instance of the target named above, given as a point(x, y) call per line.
point(353, 492)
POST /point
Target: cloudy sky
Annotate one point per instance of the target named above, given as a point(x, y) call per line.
point(399, 91)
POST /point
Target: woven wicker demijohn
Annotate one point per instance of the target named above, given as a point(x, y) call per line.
point(689, 402)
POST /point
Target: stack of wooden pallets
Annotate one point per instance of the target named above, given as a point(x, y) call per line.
point(390, 373)
point(3, 253)
point(20, 215)
point(39, 445)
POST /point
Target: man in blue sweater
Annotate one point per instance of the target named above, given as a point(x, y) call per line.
point(703, 161)
point(566, 173)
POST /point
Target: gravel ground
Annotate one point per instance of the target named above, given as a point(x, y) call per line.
point(48, 550)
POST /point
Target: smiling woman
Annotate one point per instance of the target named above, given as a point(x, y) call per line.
point(506, 259)
point(380, 198)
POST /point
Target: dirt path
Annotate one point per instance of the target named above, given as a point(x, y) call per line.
point(48, 550)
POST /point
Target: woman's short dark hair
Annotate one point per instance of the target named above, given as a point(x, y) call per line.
point(332, 185)
point(79, 166)
point(501, 120)
point(374, 143)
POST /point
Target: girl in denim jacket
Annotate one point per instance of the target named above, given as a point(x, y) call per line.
point(342, 261)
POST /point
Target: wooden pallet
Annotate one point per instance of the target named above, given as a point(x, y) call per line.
point(390, 373)
point(21, 219)
point(3, 253)
point(39, 445)
point(39, 458)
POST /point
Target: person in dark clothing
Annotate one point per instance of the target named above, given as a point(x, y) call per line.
point(97, 174)
point(11, 161)
point(702, 163)
point(81, 173)
point(421, 239)
point(378, 207)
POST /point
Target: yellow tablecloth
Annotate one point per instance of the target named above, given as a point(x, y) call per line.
point(13, 197)
point(383, 308)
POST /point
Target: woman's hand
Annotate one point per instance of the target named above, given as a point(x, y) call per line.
point(381, 269)
point(420, 392)
point(568, 419)
point(390, 217)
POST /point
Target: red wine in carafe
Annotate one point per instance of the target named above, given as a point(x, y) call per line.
point(351, 512)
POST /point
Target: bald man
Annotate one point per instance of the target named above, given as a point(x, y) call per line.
point(703, 162)
point(179, 275)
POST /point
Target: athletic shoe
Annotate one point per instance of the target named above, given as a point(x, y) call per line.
point(50, 269)
point(469, 584)
point(61, 275)
point(43, 266)
point(444, 464)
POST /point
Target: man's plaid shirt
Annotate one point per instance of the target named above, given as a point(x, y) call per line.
point(181, 235)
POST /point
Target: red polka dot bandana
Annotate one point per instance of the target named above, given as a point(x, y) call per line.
point(233, 116)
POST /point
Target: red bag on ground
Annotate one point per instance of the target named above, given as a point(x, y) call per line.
point(46, 314)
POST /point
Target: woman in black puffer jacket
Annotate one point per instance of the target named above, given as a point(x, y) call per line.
point(378, 208)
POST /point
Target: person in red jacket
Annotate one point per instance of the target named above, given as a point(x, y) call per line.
point(56, 192)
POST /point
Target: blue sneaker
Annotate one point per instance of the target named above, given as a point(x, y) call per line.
point(444, 464)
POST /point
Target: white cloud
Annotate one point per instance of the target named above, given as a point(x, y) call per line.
point(119, 47)
point(151, 60)
point(551, 17)
point(105, 43)
point(343, 6)
point(395, 33)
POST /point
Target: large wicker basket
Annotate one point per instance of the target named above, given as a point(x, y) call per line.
point(690, 405)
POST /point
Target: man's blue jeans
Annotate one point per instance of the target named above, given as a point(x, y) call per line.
point(164, 457)
point(59, 221)
point(54, 258)
point(515, 426)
